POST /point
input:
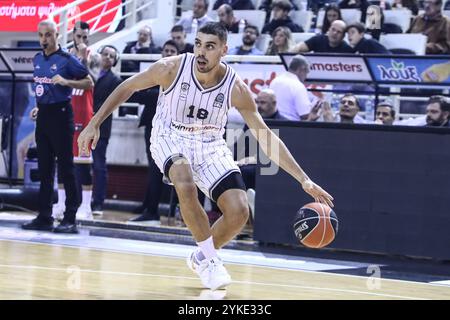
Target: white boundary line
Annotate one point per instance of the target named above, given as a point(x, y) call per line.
point(196, 279)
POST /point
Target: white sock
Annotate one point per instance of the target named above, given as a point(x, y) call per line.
point(86, 200)
point(207, 249)
point(61, 197)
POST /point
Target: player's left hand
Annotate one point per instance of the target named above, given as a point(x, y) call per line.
point(59, 80)
point(317, 193)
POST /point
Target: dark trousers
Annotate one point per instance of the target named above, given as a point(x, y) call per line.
point(100, 173)
point(154, 180)
point(83, 177)
point(54, 136)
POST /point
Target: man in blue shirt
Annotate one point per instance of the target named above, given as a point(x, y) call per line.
point(251, 34)
point(56, 73)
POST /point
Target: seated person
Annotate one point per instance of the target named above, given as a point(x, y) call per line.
point(332, 13)
point(249, 39)
point(199, 13)
point(280, 12)
point(360, 44)
point(385, 113)
point(281, 41)
point(235, 4)
point(267, 107)
point(227, 18)
point(144, 44)
point(179, 36)
point(438, 112)
point(332, 42)
point(348, 111)
point(435, 26)
point(266, 5)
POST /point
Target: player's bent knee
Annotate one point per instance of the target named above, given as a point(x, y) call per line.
point(186, 189)
point(238, 213)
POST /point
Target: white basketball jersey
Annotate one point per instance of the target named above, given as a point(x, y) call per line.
point(188, 109)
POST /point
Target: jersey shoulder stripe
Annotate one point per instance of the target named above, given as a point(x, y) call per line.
point(179, 73)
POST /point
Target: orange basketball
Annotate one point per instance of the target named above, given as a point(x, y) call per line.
point(315, 225)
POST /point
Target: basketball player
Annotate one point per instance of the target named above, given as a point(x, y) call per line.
point(188, 146)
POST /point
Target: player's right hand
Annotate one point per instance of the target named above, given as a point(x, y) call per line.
point(317, 193)
point(89, 135)
point(34, 113)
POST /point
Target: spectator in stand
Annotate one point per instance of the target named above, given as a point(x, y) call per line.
point(249, 39)
point(435, 26)
point(332, 13)
point(280, 18)
point(227, 18)
point(281, 41)
point(179, 36)
point(235, 4)
point(438, 112)
point(348, 111)
point(407, 4)
point(290, 91)
point(333, 41)
point(144, 44)
point(360, 44)
point(315, 5)
point(356, 4)
point(385, 113)
point(199, 13)
point(375, 25)
point(266, 5)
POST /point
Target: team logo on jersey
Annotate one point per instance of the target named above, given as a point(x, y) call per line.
point(218, 102)
point(184, 90)
point(53, 68)
point(39, 90)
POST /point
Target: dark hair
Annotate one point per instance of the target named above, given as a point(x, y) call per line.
point(228, 9)
point(326, 24)
point(387, 104)
point(206, 2)
point(444, 102)
point(171, 43)
point(177, 28)
point(358, 26)
point(352, 95)
point(250, 26)
point(215, 28)
point(81, 25)
point(284, 5)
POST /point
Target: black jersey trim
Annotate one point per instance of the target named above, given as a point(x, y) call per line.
point(179, 73)
point(199, 86)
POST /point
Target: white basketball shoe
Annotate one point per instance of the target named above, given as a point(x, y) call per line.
point(212, 273)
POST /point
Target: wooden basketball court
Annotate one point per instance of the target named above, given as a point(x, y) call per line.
point(52, 271)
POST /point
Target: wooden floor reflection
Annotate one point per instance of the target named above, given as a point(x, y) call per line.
point(42, 271)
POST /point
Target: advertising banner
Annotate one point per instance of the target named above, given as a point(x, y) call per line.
point(24, 15)
point(19, 60)
point(334, 68)
point(414, 70)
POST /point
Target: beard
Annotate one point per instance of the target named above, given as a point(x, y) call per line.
point(248, 41)
point(435, 123)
